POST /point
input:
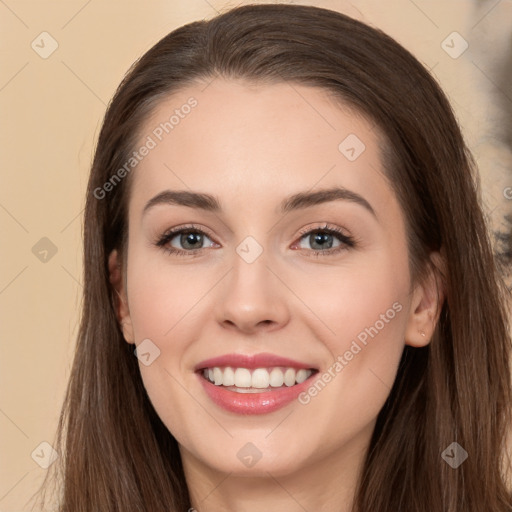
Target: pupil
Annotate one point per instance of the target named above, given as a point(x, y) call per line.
point(322, 238)
point(191, 238)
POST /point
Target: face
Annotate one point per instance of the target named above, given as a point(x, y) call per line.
point(294, 267)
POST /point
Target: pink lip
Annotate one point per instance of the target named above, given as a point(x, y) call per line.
point(263, 360)
point(252, 403)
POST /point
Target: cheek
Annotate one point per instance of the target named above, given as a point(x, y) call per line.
point(365, 318)
point(163, 296)
point(363, 301)
point(164, 304)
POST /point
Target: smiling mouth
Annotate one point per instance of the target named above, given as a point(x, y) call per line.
point(257, 380)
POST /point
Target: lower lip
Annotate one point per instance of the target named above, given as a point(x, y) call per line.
point(253, 403)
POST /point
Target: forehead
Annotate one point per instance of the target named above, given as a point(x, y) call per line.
point(245, 141)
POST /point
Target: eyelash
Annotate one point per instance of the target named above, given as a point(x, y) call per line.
point(347, 242)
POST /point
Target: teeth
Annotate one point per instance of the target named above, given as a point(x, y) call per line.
point(217, 376)
point(289, 377)
point(260, 378)
point(301, 376)
point(242, 378)
point(276, 378)
point(229, 377)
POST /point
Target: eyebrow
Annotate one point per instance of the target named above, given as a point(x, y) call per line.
point(297, 201)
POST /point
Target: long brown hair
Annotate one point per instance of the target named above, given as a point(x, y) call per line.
point(115, 452)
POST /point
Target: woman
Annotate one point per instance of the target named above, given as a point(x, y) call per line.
point(282, 225)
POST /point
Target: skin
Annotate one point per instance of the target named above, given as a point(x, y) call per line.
point(251, 146)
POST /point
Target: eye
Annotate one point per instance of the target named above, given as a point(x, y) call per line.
point(189, 240)
point(325, 240)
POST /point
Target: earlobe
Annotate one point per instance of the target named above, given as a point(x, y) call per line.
point(120, 301)
point(426, 305)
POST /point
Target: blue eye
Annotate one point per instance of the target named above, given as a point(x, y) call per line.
point(191, 239)
point(325, 238)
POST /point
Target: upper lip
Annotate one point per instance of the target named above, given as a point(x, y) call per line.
point(251, 361)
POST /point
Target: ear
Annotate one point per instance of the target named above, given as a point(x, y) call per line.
point(426, 305)
point(120, 298)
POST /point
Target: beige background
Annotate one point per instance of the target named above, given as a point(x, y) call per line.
point(51, 110)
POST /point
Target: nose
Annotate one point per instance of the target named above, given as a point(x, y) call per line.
point(253, 298)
